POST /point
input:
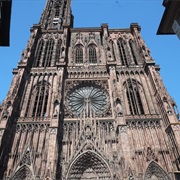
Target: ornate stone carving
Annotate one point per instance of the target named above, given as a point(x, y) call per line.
point(22, 127)
point(121, 129)
point(155, 172)
point(148, 123)
point(23, 173)
point(53, 131)
point(26, 159)
point(71, 86)
point(89, 164)
point(79, 36)
point(150, 154)
point(88, 71)
point(92, 35)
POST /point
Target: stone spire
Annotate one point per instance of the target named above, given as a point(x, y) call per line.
point(56, 14)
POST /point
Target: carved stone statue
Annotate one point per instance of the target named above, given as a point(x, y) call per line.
point(63, 53)
point(5, 114)
point(119, 110)
point(167, 106)
point(56, 108)
point(7, 110)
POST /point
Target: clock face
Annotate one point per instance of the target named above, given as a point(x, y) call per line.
point(88, 100)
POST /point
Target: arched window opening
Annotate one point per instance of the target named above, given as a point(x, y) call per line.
point(134, 98)
point(48, 53)
point(92, 55)
point(40, 102)
point(79, 55)
point(57, 11)
point(131, 102)
point(38, 53)
point(58, 50)
point(131, 44)
point(56, 18)
point(122, 53)
point(176, 111)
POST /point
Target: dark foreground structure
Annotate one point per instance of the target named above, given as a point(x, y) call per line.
point(170, 23)
point(87, 103)
point(5, 17)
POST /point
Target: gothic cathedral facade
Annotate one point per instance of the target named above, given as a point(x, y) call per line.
point(87, 103)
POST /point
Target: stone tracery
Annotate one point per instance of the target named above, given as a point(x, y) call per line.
point(155, 172)
point(97, 93)
point(23, 173)
point(89, 163)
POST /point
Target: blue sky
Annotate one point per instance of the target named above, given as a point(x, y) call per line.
point(92, 13)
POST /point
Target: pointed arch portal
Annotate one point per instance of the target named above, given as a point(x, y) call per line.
point(24, 173)
point(155, 172)
point(89, 165)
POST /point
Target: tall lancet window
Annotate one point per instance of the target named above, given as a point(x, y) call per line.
point(79, 55)
point(40, 101)
point(38, 53)
point(92, 54)
point(57, 11)
point(58, 50)
point(48, 53)
point(131, 44)
point(122, 53)
point(37, 103)
point(133, 93)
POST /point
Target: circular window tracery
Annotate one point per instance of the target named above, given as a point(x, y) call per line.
point(88, 100)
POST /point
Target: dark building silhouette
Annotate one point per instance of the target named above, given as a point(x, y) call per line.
point(87, 103)
point(170, 23)
point(5, 16)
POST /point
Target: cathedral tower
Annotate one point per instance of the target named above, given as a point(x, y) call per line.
point(87, 103)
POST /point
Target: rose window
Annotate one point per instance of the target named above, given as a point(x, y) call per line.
point(88, 101)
